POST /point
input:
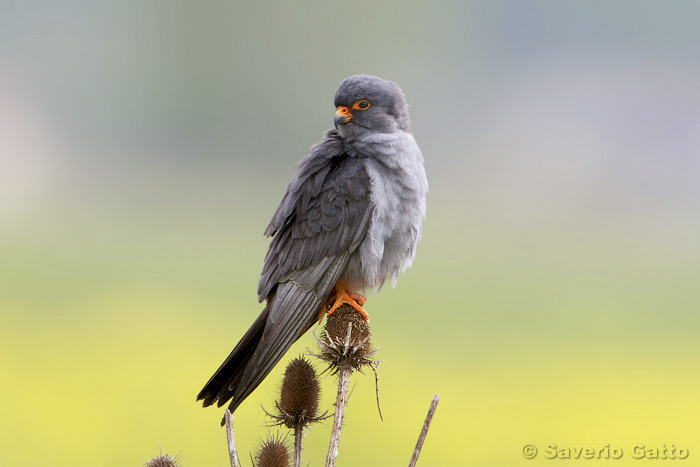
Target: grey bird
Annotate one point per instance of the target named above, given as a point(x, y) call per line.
point(351, 219)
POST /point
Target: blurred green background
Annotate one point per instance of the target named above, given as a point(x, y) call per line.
point(554, 300)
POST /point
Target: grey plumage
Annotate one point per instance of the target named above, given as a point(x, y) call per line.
point(353, 211)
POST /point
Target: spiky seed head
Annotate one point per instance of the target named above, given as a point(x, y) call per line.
point(337, 328)
point(337, 347)
point(164, 460)
point(300, 393)
point(273, 453)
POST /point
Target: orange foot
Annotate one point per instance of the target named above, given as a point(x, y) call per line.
point(355, 300)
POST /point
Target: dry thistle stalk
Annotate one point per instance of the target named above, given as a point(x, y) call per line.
point(298, 404)
point(346, 348)
point(424, 430)
point(232, 452)
point(273, 452)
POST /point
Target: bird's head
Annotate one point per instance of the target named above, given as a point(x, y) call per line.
point(367, 105)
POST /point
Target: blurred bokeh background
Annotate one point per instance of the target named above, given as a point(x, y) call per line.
point(554, 300)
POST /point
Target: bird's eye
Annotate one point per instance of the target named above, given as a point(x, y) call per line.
point(361, 105)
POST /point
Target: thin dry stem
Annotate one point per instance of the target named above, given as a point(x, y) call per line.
point(232, 453)
point(424, 431)
point(376, 386)
point(297, 444)
point(341, 399)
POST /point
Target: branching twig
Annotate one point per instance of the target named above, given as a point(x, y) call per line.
point(424, 431)
point(232, 453)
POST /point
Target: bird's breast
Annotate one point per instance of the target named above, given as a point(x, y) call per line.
point(398, 188)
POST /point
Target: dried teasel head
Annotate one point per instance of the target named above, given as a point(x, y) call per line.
point(301, 391)
point(345, 340)
point(164, 460)
point(273, 452)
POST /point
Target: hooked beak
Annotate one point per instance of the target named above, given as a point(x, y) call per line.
point(342, 116)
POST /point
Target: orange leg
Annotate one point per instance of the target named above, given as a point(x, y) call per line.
point(342, 296)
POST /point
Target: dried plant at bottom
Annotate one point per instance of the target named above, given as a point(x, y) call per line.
point(300, 395)
point(345, 340)
point(164, 460)
point(299, 398)
point(273, 452)
point(345, 346)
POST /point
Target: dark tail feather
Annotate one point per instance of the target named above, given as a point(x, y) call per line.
point(223, 385)
point(262, 346)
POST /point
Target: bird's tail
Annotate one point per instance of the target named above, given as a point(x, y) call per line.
point(263, 345)
point(228, 378)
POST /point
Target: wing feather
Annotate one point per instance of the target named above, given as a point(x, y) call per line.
point(322, 211)
point(320, 223)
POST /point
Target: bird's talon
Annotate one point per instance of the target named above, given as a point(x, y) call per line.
point(354, 300)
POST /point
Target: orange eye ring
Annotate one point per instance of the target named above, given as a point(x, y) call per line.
point(361, 105)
